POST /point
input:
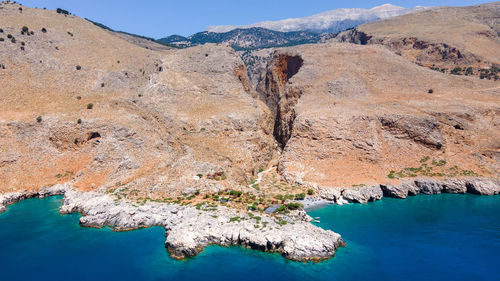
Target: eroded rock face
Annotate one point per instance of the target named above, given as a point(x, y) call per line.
point(415, 37)
point(363, 194)
point(351, 114)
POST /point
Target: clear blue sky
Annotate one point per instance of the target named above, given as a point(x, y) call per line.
point(156, 18)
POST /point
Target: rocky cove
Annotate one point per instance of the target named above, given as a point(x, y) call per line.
point(189, 230)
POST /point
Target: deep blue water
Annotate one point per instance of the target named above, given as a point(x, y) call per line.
point(440, 237)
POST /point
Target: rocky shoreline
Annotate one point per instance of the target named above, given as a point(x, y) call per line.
point(429, 186)
point(189, 230)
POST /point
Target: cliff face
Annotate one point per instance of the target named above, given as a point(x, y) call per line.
point(81, 103)
point(439, 38)
point(351, 114)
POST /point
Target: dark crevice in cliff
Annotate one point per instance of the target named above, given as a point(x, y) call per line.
point(280, 97)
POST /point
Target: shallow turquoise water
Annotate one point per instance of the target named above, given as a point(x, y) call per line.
point(440, 237)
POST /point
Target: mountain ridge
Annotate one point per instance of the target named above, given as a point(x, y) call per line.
point(329, 21)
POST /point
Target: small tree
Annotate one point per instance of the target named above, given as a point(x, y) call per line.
point(90, 106)
point(430, 91)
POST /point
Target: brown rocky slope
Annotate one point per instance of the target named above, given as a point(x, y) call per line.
point(350, 115)
point(80, 103)
point(441, 38)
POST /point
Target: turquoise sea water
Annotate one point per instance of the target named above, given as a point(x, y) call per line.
point(440, 237)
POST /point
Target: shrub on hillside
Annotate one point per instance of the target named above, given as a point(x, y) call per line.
point(61, 11)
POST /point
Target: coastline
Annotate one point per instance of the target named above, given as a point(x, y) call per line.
point(189, 230)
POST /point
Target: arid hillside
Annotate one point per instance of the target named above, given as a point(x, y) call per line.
point(348, 115)
point(81, 104)
point(100, 110)
point(440, 38)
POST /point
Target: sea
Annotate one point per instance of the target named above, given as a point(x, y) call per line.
point(426, 237)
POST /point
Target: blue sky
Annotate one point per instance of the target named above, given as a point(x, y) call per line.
point(155, 18)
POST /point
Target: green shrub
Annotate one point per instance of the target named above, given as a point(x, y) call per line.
point(235, 193)
point(10, 36)
point(90, 106)
point(61, 11)
point(310, 191)
point(44, 30)
point(25, 29)
point(39, 119)
point(79, 121)
point(430, 91)
point(300, 196)
point(78, 67)
point(294, 206)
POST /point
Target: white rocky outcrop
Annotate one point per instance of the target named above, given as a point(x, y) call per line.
point(189, 230)
point(429, 186)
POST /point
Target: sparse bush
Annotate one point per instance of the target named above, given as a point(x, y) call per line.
point(90, 106)
point(456, 71)
point(430, 91)
point(32, 32)
point(44, 30)
point(310, 191)
point(61, 11)
point(1, 39)
point(235, 193)
point(22, 43)
point(102, 85)
point(13, 40)
point(10, 36)
point(25, 29)
point(79, 97)
point(439, 146)
point(1, 30)
point(300, 196)
point(78, 67)
point(79, 121)
point(39, 119)
point(294, 206)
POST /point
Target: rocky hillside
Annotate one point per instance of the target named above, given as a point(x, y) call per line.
point(351, 115)
point(327, 22)
point(81, 104)
point(457, 40)
point(245, 39)
point(85, 105)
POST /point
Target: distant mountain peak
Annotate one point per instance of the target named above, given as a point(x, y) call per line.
point(328, 21)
